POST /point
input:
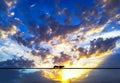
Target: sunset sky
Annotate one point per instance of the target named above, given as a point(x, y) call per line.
point(71, 33)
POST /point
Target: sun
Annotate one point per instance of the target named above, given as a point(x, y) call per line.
point(67, 75)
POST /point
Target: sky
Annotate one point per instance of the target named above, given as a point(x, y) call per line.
point(72, 33)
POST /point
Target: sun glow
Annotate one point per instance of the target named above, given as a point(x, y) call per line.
point(66, 54)
point(65, 75)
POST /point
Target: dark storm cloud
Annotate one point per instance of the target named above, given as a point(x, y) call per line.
point(40, 20)
point(62, 59)
point(99, 45)
point(99, 13)
point(40, 34)
point(110, 9)
point(87, 14)
point(102, 45)
point(82, 50)
point(111, 6)
point(14, 63)
point(44, 24)
point(5, 28)
point(48, 21)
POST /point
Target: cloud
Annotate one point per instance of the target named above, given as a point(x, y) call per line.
point(5, 31)
point(40, 39)
point(103, 45)
point(6, 26)
point(9, 3)
point(17, 63)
